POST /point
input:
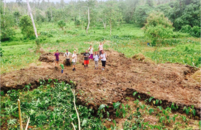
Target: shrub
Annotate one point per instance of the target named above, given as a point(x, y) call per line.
point(185, 29)
point(195, 31)
point(6, 34)
point(157, 27)
point(77, 22)
point(61, 24)
point(37, 43)
point(27, 27)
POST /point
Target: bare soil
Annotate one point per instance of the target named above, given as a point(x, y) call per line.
point(167, 82)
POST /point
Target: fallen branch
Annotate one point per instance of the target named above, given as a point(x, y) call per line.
point(73, 126)
point(27, 124)
point(76, 110)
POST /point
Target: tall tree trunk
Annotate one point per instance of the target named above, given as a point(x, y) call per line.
point(88, 22)
point(110, 27)
point(104, 25)
point(4, 7)
point(29, 9)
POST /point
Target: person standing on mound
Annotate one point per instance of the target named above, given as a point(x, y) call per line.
point(67, 55)
point(96, 57)
point(103, 57)
point(74, 60)
point(91, 52)
point(100, 47)
point(56, 54)
point(86, 59)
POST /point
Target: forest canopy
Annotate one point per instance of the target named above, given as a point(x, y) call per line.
point(107, 13)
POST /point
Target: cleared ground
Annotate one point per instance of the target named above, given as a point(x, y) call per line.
point(166, 82)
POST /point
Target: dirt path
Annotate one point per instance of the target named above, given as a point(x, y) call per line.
point(122, 76)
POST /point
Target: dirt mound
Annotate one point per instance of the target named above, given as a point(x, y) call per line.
point(122, 76)
point(139, 57)
point(197, 76)
point(142, 58)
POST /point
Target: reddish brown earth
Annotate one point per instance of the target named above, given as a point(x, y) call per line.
point(122, 76)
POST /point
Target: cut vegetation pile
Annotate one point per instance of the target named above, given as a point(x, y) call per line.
point(169, 83)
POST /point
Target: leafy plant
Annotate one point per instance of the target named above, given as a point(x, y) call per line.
point(151, 111)
point(150, 99)
point(135, 93)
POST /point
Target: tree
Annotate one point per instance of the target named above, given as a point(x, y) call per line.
point(17, 16)
point(157, 27)
point(112, 14)
point(32, 20)
point(26, 27)
point(61, 24)
point(185, 12)
point(150, 3)
point(141, 14)
point(7, 22)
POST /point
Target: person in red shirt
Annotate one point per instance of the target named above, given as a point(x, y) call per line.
point(86, 58)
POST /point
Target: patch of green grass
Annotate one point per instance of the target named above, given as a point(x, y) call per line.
point(126, 38)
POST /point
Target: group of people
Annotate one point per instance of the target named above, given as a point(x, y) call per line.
point(88, 55)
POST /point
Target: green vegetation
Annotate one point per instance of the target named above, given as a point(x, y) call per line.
point(26, 27)
point(130, 42)
point(48, 107)
point(51, 106)
point(158, 27)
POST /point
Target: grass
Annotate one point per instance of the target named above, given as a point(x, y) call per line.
point(126, 38)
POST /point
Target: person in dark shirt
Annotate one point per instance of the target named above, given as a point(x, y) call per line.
point(56, 54)
point(86, 58)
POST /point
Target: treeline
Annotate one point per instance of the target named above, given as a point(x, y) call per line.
point(184, 14)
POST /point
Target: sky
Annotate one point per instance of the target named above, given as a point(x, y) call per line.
point(45, 0)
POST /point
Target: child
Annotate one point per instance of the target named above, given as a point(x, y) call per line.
point(56, 54)
point(62, 68)
point(103, 57)
point(96, 60)
point(91, 52)
point(67, 55)
point(86, 59)
point(100, 47)
point(74, 59)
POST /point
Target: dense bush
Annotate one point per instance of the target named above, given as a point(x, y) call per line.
point(27, 27)
point(195, 31)
point(186, 29)
point(61, 24)
point(77, 22)
point(157, 27)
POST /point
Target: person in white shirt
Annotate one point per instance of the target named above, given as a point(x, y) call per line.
point(96, 58)
point(100, 47)
point(91, 52)
point(67, 55)
point(74, 60)
point(103, 57)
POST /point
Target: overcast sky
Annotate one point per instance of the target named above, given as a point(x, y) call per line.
point(46, 0)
